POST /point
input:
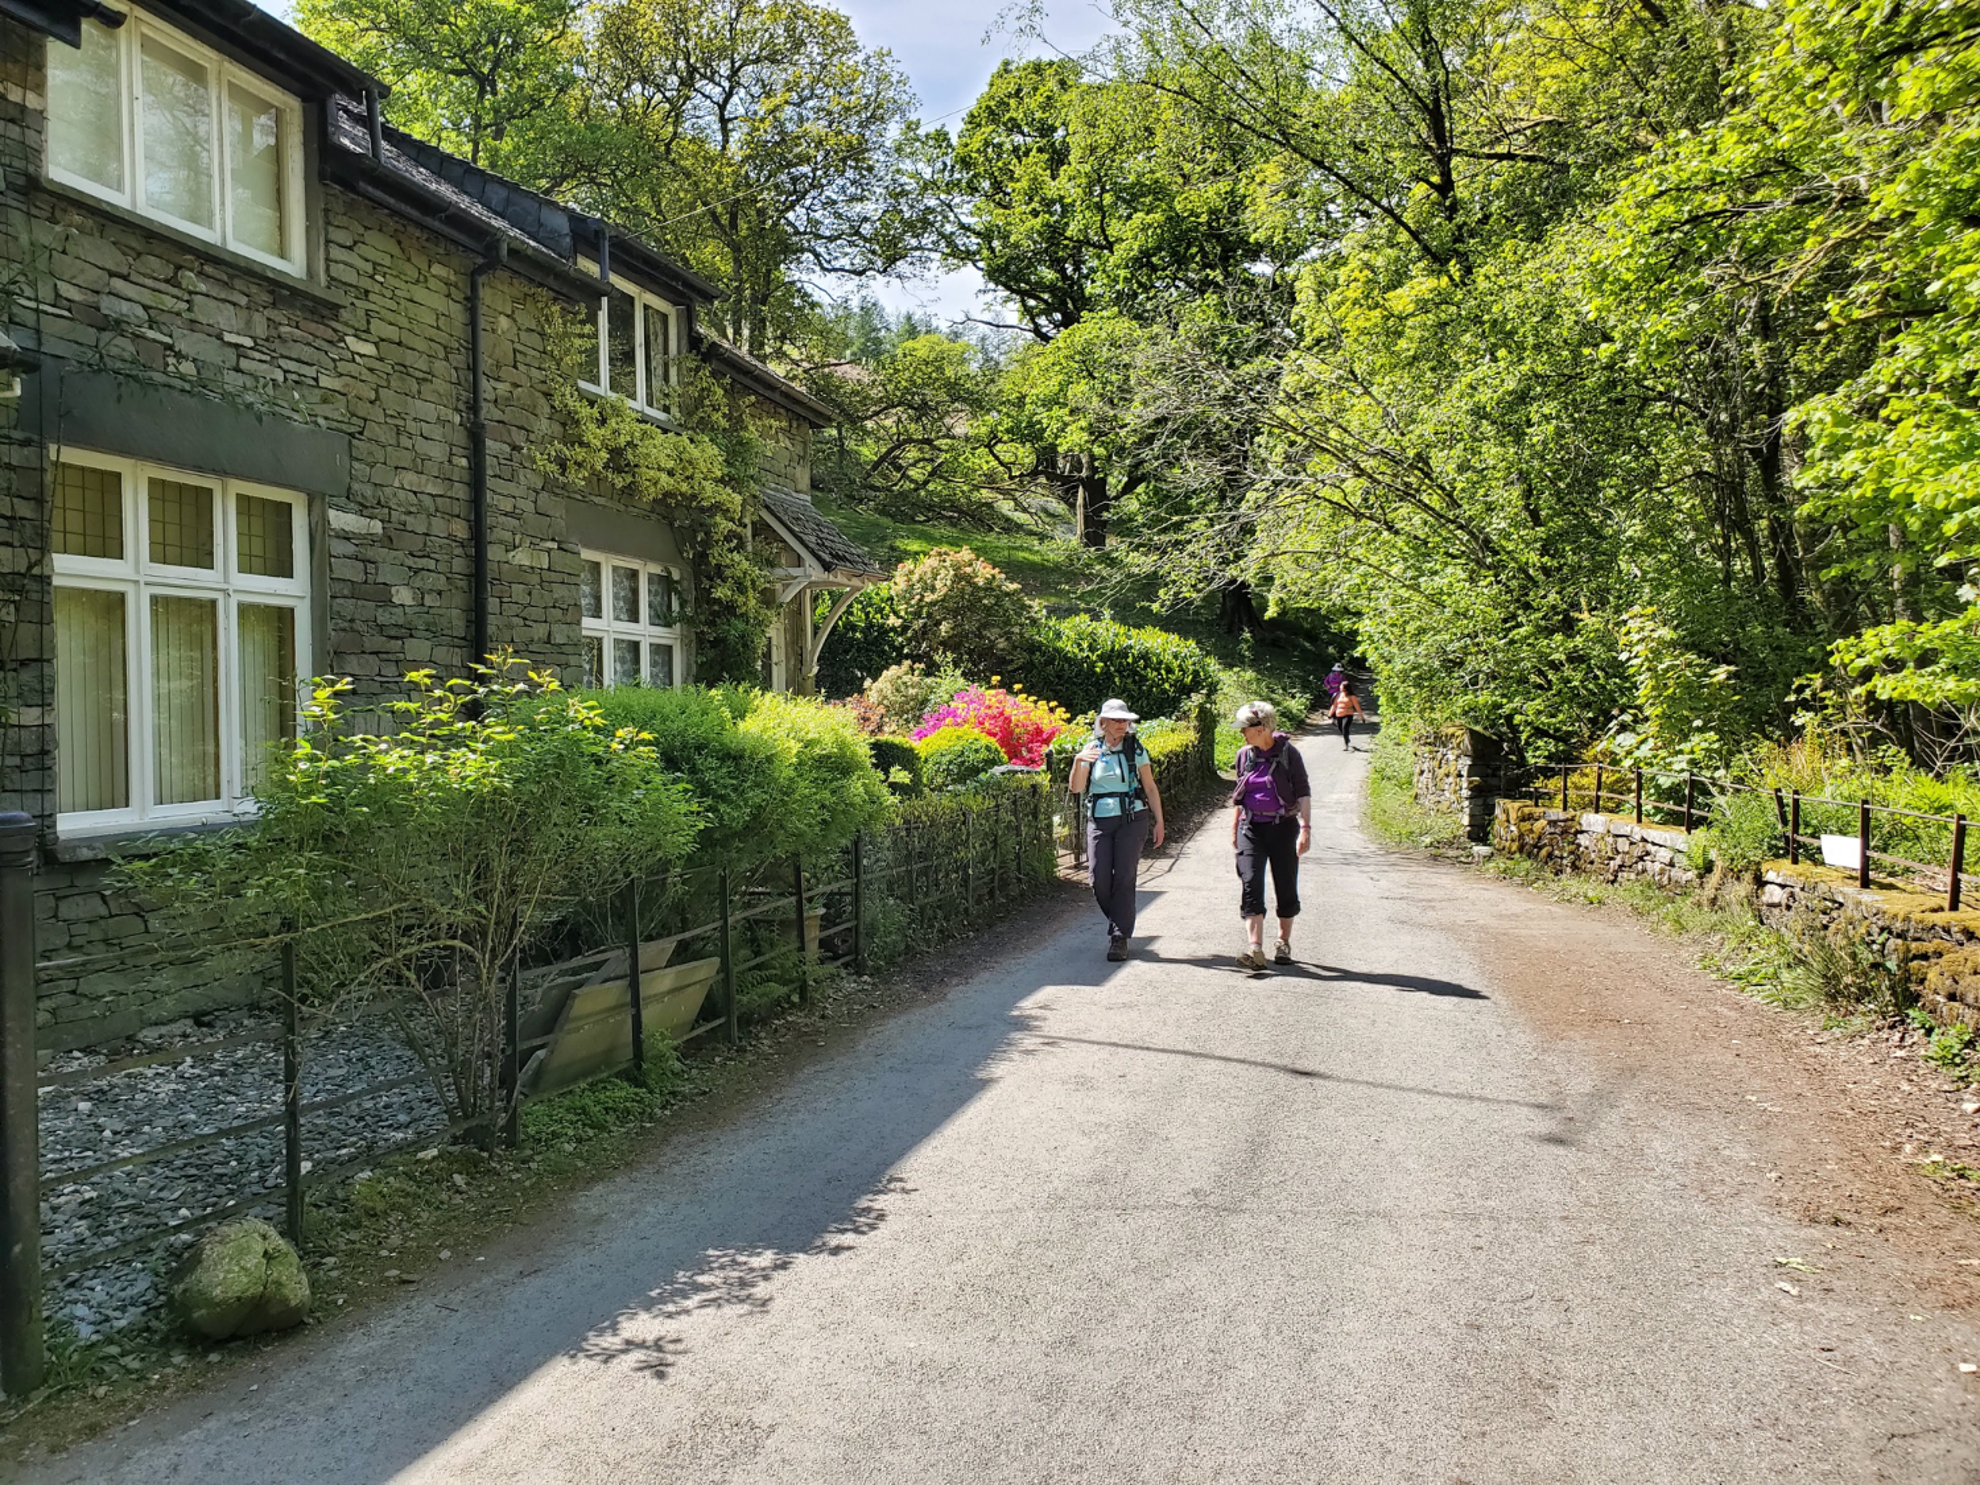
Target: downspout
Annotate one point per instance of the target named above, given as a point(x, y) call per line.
point(375, 126)
point(478, 448)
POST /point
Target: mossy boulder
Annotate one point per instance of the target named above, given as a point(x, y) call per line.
point(241, 1278)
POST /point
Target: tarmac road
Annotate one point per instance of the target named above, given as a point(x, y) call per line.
point(1354, 1222)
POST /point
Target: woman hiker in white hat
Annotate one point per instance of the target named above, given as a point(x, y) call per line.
point(1114, 772)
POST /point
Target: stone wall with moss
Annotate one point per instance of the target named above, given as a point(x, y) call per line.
point(1457, 773)
point(1612, 848)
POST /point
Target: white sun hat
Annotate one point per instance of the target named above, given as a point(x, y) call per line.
point(1113, 709)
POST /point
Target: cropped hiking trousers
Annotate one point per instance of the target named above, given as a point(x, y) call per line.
point(1113, 856)
point(1273, 843)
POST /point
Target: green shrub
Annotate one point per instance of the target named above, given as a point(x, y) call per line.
point(898, 761)
point(864, 643)
point(1746, 830)
point(904, 694)
point(1080, 661)
point(746, 782)
point(954, 756)
point(838, 791)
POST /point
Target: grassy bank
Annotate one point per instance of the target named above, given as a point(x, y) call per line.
point(1391, 810)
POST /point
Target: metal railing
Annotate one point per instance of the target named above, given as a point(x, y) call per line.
point(1688, 800)
point(943, 865)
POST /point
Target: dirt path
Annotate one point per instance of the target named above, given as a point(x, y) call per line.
point(1488, 1188)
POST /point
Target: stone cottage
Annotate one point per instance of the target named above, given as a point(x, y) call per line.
point(274, 388)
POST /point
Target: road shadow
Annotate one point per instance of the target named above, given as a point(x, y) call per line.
point(1290, 1070)
point(1324, 974)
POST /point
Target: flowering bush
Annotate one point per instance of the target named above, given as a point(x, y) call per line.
point(867, 717)
point(1021, 725)
point(952, 603)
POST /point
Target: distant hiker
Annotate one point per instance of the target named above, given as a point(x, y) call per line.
point(1346, 707)
point(1336, 678)
point(1271, 825)
point(1117, 777)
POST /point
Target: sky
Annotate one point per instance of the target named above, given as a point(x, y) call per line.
point(948, 48)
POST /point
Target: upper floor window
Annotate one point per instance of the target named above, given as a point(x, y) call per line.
point(152, 120)
point(639, 349)
point(632, 625)
point(181, 627)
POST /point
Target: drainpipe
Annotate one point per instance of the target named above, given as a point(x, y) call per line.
point(376, 123)
point(478, 447)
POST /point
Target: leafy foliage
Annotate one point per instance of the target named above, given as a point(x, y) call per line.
point(1081, 661)
point(1021, 726)
point(956, 755)
point(953, 605)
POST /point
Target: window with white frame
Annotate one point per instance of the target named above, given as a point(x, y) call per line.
point(150, 119)
point(181, 626)
point(639, 349)
point(632, 626)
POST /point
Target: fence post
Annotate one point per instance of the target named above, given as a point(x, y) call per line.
point(1598, 789)
point(292, 1156)
point(635, 998)
point(1863, 843)
point(512, 1054)
point(728, 967)
point(1689, 784)
point(1958, 861)
point(21, 1356)
point(859, 902)
point(1794, 829)
point(1639, 796)
point(969, 867)
point(1564, 788)
point(804, 963)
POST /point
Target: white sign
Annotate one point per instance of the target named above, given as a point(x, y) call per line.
point(1841, 850)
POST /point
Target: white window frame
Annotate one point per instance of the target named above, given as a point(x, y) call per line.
point(139, 579)
point(605, 628)
point(222, 74)
point(644, 304)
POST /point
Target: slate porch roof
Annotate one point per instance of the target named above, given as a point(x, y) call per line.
point(811, 529)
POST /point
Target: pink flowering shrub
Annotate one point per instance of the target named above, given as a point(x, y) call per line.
point(1021, 725)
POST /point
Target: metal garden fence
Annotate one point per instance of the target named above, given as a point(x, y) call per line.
point(748, 938)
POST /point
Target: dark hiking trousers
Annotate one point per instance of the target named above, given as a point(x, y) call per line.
point(1273, 843)
point(1345, 725)
point(1113, 855)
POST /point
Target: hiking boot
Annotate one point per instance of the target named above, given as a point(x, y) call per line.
point(1282, 952)
point(1117, 949)
point(1251, 959)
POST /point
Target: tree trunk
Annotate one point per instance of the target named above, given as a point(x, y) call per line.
point(1090, 515)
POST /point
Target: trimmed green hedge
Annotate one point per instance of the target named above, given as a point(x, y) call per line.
point(890, 753)
point(1081, 661)
point(954, 756)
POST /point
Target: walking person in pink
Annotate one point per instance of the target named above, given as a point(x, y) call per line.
point(1271, 828)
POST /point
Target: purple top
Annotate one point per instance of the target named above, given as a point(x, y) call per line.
point(1261, 795)
point(1257, 791)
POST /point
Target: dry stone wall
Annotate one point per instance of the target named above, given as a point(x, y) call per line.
point(1457, 773)
point(1612, 848)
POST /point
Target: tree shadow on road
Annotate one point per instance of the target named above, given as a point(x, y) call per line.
point(1307, 1073)
point(1328, 974)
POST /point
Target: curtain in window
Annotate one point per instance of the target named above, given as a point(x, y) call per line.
point(625, 595)
point(176, 129)
point(185, 698)
point(594, 661)
point(625, 662)
point(92, 722)
point(254, 169)
point(659, 599)
point(660, 666)
point(657, 326)
point(620, 347)
point(268, 690)
point(86, 108)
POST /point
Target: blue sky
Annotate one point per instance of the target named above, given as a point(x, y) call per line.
point(941, 44)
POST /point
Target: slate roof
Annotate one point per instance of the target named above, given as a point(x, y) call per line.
point(835, 551)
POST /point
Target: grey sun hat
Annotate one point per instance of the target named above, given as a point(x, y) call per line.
point(1113, 709)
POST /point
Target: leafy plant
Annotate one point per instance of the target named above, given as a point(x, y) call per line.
point(954, 755)
point(906, 693)
point(952, 604)
point(898, 761)
point(1081, 661)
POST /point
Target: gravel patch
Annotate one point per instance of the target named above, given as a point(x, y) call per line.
point(141, 1109)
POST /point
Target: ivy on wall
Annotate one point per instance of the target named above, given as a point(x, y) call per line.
point(701, 475)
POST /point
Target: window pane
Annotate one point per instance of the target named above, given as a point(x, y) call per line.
point(657, 344)
point(590, 584)
point(659, 599)
point(619, 344)
point(86, 108)
point(625, 662)
point(594, 660)
point(185, 698)
point(92, 740)
point(625, 595)
point(89, 512)
point(176, 120)
point(181, 523)
point(254, 172)
point(660, 665)
point(268, 686)
point(265, 536)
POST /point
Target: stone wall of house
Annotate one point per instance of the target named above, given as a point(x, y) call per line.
point(1457, 773)
point(784, 456)
point(1606, 846)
